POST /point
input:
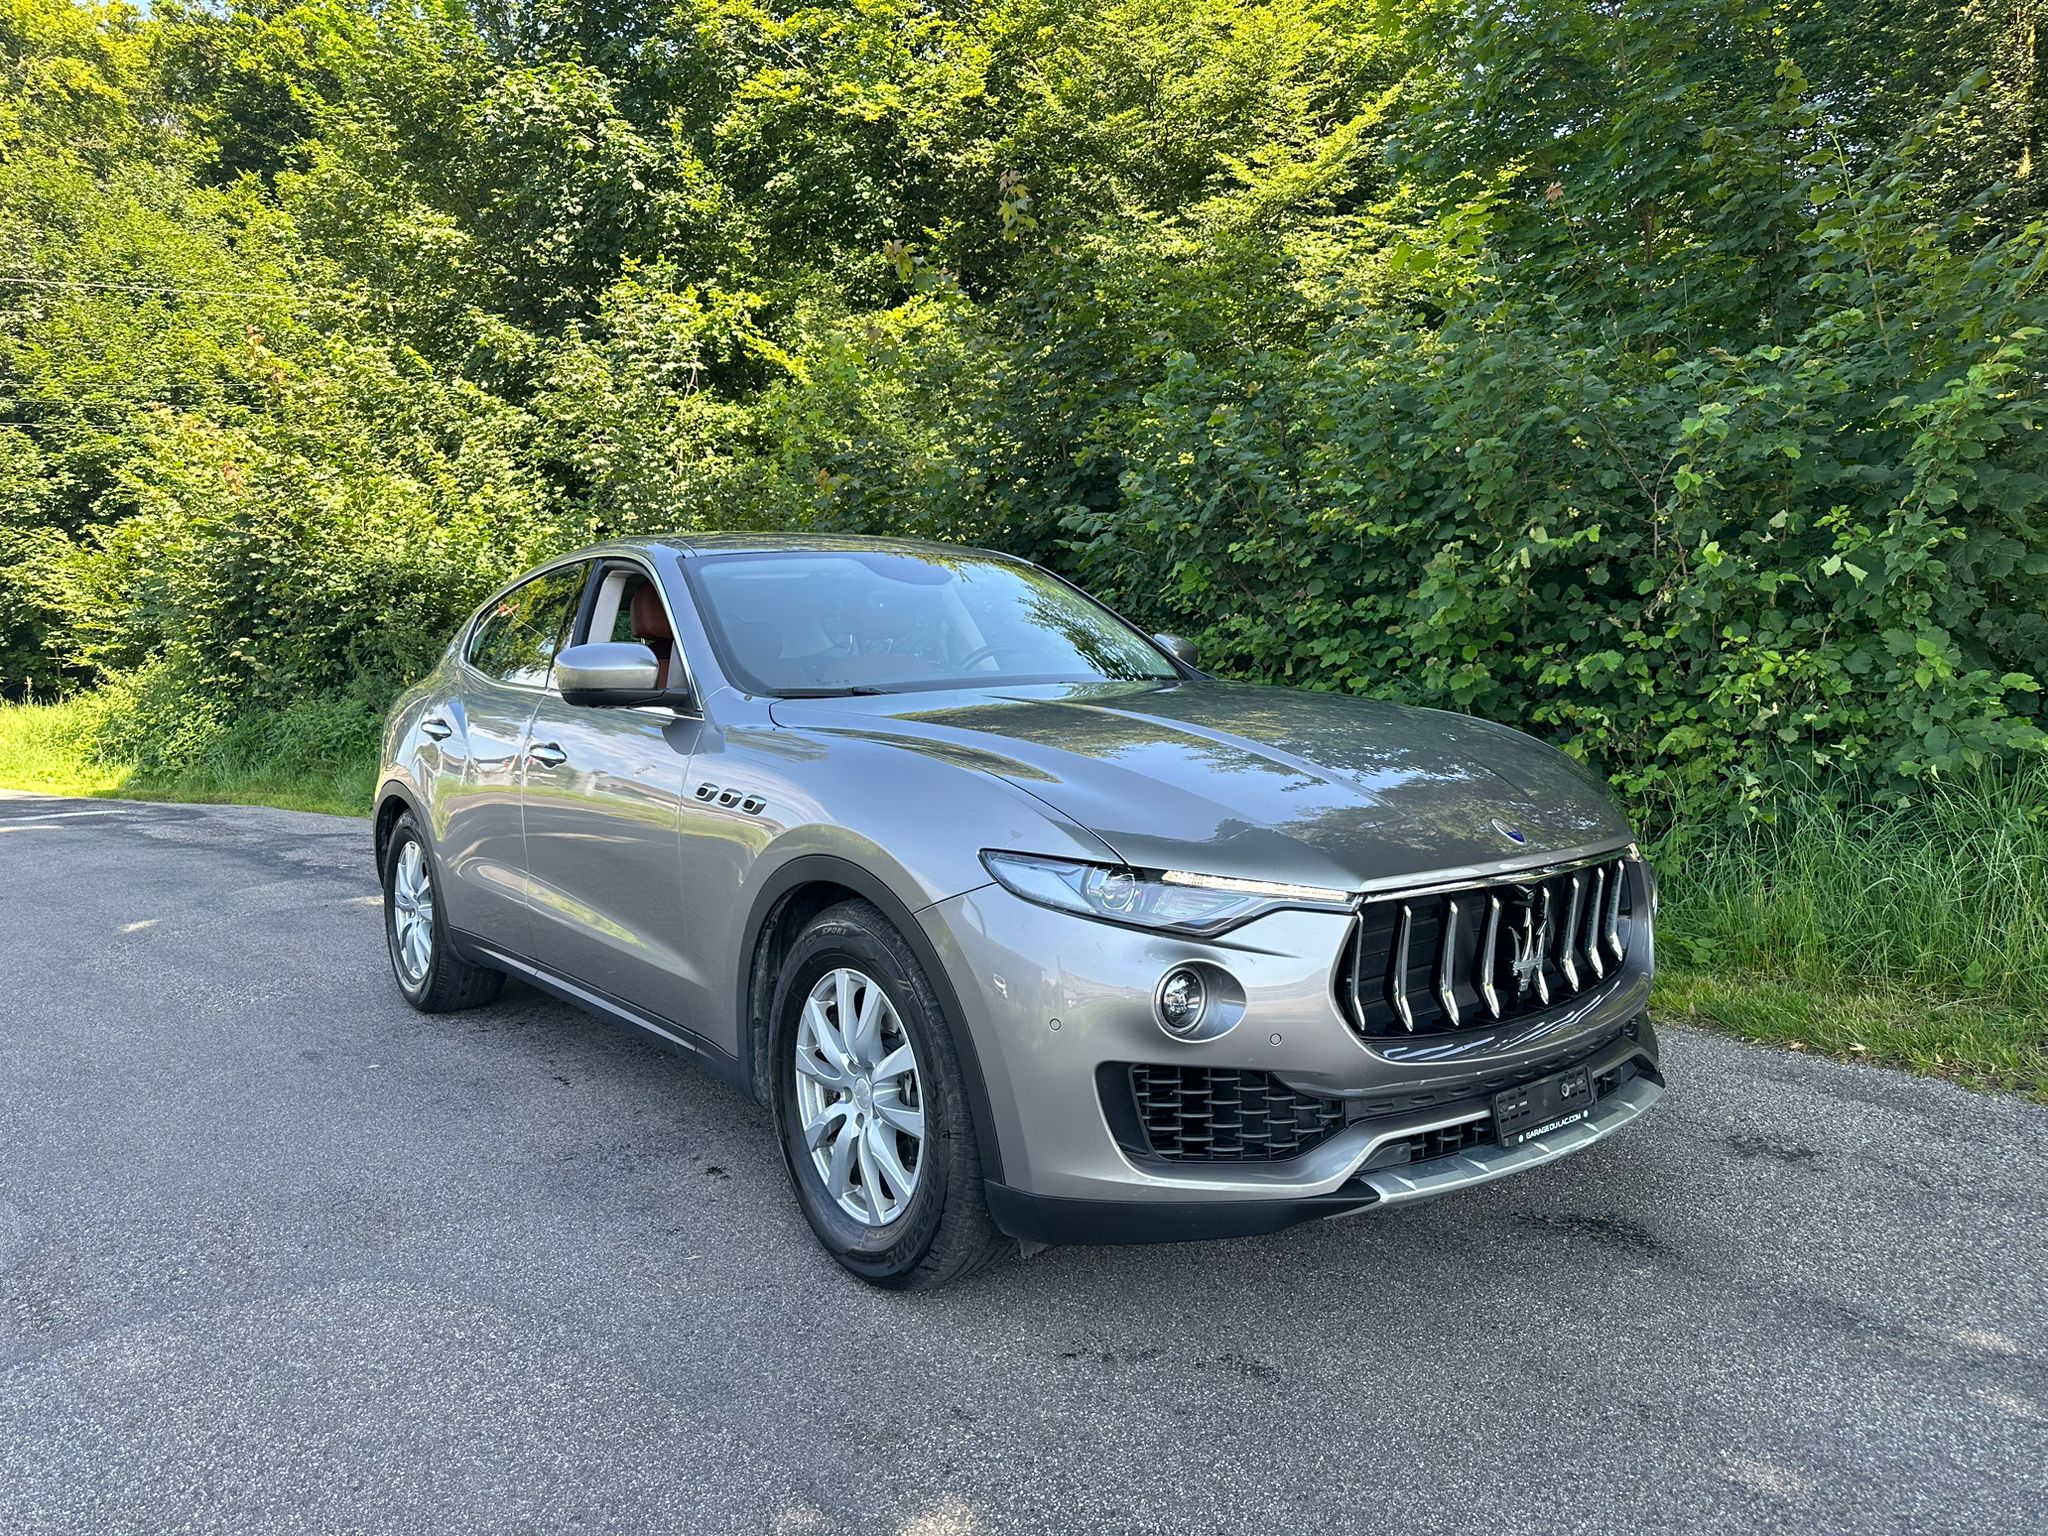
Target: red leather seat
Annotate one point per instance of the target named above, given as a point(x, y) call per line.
point(651, 629)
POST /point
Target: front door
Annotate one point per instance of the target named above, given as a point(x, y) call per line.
point(603, 810)
point(482, 731)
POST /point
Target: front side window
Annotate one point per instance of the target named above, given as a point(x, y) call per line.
point(516, 638)
point(803, 622)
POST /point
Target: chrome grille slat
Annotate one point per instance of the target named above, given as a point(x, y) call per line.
point(1446, 963)
point(1397, 974)
point(1612, 932)
point(1568, 941)
point(1541, 939)
point(1487, 952)
point(1593, 912)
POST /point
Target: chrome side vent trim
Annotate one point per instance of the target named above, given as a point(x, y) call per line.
point(1432, 961)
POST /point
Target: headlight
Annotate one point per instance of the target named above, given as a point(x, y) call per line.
point(1167, 899)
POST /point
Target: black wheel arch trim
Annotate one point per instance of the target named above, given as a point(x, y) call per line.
point(395, 788)
point(827, 869)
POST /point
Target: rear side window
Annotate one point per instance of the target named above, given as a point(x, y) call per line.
point(516, 639)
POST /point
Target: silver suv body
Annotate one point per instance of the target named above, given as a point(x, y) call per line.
point(1021, 923)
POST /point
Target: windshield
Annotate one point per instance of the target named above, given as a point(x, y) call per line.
point(874, 620)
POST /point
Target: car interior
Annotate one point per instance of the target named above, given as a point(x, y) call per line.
point(628, 608)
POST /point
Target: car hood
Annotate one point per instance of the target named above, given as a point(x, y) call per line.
point(1256, 782)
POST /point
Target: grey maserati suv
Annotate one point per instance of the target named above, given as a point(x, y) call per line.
point(1021, 923)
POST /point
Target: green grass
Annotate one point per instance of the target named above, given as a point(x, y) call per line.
point(278, 761)
point(1915, 934)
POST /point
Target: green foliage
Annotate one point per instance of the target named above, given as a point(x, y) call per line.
point(1665, 377)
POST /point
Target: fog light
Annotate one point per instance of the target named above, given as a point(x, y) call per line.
point(1182, 1000)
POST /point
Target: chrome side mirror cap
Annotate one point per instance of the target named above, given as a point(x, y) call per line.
point(611, 672)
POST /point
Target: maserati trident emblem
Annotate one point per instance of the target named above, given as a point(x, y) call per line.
point(1527, 945)
point(1512, 833)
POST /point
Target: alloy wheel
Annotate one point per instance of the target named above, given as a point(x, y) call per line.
point(412, 911)
point(858, 1097)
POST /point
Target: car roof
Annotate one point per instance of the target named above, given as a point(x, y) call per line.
point(800, 543)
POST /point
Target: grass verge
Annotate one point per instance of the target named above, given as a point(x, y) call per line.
point(53, 748)
point(1914, 934)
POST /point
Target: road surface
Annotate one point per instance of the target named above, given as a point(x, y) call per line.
point(278, 1255)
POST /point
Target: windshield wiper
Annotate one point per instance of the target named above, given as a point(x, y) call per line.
point(851, 691)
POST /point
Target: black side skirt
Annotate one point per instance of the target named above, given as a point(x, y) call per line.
point(669, 1036)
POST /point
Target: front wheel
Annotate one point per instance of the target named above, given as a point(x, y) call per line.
point(872, 1107)
point(433, 978)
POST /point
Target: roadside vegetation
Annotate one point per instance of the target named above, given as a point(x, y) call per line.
point(1667, 377)
point(297, 760)
point(1915, 935)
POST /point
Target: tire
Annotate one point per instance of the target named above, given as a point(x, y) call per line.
point(937, 1231)
point(430, 974)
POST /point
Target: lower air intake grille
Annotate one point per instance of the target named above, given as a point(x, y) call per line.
point(1464, 959)
point(1226, 1115)
point(1441, 1142)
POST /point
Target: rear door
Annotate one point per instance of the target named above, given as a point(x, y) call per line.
point(501, 679)
point(603, 798)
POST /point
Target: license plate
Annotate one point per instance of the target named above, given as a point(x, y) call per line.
point(1548, 1104)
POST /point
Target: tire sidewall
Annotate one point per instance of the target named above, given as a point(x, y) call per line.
point(880, 1254)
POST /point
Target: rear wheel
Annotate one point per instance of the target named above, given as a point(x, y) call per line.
point(872, 1108)
point(433, 978)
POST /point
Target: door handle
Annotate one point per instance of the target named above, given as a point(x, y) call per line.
point(434, 728)
point(547, 754)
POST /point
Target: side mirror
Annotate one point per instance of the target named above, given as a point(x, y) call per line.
point(1181, 650)
point(611, 672)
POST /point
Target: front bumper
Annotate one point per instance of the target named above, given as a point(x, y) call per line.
point(1055, 1001)
point(1049, 1219)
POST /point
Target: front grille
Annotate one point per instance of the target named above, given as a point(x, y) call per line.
point(1427, 964)
point(1227, 1115)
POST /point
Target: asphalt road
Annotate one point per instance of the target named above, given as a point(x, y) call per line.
point(278, 1254)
